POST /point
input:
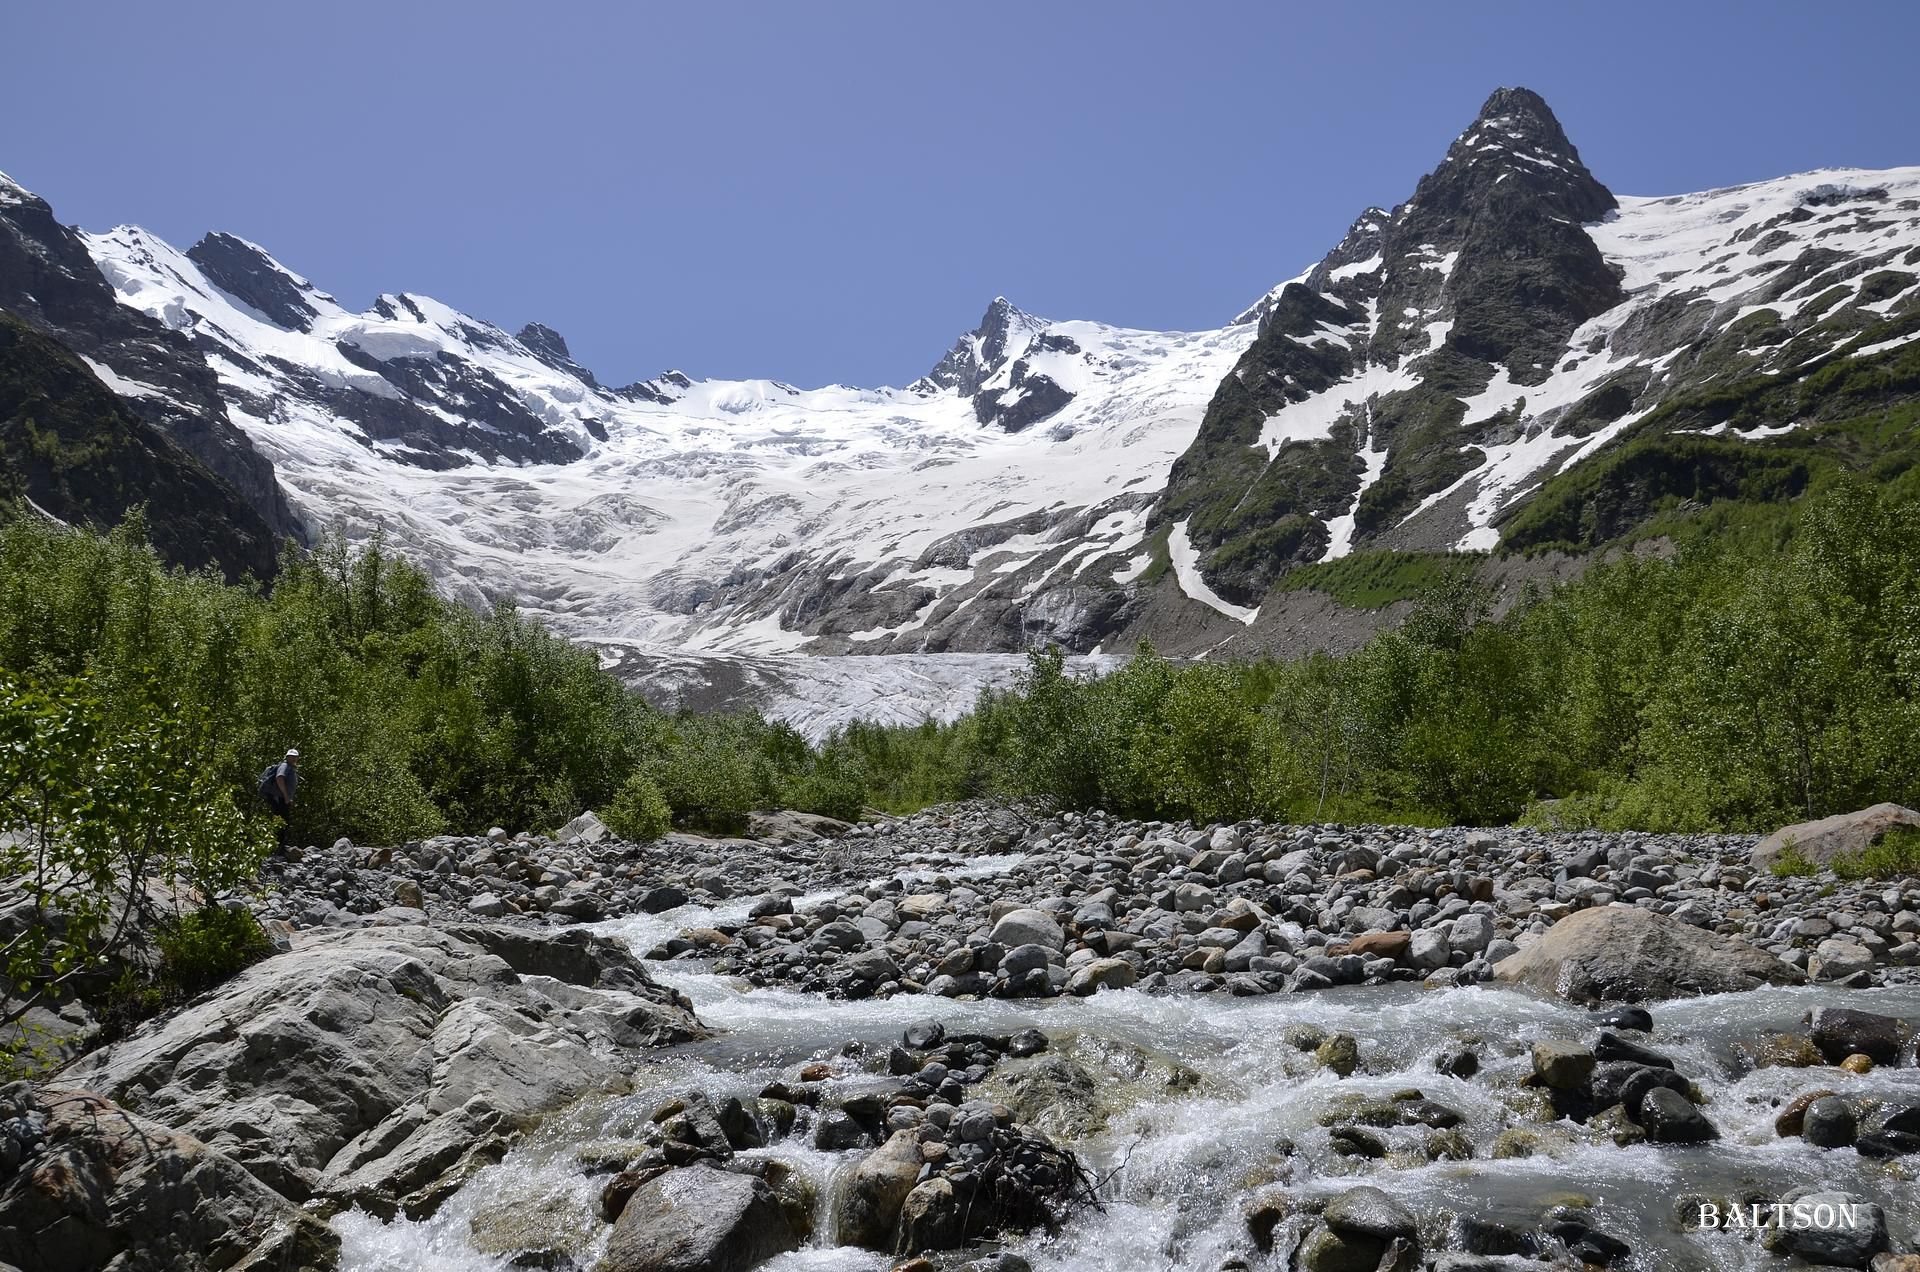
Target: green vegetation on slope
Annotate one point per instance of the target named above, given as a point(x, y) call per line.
point(1377, 579)
point(1851, 416)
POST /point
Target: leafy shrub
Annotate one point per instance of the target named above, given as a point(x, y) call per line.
point(1791, 864)
point(1895, 855)
point(638, 813)
point(204, 947)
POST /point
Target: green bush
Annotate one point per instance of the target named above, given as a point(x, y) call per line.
point(202, 948)
point(414, 715)
point(638, 813)
point(1895, 855)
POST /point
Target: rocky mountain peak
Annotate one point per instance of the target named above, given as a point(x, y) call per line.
point(1003, 331)
point(548, 345)
point(1517, 138)
point(247, 273)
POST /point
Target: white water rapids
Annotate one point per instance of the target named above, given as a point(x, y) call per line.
point(1181, 1156)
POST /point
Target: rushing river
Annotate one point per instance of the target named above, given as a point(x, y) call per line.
point(1178, 1157)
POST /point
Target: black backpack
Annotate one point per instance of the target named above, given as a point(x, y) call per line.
point(268, 791)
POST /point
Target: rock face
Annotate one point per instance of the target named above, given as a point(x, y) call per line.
point(1829, 838)
point(1622, 953)
point(380, 1066)
point(50, 282)
point(106, 1188)
point(82, 454)
point(698, 1219)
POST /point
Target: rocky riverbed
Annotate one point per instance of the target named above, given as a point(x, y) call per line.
point(984, 1039)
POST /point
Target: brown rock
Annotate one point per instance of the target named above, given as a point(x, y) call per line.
point(1391, 945)
point(1794, 1116)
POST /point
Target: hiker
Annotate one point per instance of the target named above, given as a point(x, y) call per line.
point(280, 782)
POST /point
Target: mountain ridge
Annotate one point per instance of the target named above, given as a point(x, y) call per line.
point(1449, 360)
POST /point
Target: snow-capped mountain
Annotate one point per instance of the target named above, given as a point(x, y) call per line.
point(1512, 319)
point(737, 516)
point(1463, 371)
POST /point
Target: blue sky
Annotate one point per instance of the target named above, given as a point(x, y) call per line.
point(821, 192)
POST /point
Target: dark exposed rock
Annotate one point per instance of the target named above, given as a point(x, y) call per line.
point(49, 280)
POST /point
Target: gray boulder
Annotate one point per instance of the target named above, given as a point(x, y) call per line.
point(1841, 835)
point(1028, 927)
point(381, 1066)
point(1623, 953)
point(111, 1189)
point(584, 829)
point(698, 1219)
point(1834, 1243)
point(873, 1193)
point(1671, 1118)
point(1829, 1123)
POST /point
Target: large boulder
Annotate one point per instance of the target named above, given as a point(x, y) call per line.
point(1829, 838)
point(380, 1066)
point(873, 1193)
point(105, 1188)
point(699, 1219)
point(1028, 927)
point(1623, 953)
point(1840, 1032)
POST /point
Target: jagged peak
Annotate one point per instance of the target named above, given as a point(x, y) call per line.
point(541, 338)
point(1517, 133)
point(975, 356)
point(548, 345)
point(250, 274)
point(222, 241)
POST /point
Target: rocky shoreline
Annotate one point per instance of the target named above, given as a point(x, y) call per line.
point(1085, 902)
point(447, 1015)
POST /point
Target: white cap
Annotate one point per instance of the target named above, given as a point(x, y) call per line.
point(292, 754)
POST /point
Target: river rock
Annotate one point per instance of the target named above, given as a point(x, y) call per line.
point(1101, 973)
point(930, 1217)
point(1028, 927)
point(1840, 1032)
point(107, 1188)
point(378, 1066)
point(1829, 1123)
point(873, 1192)
point(1368, 1212)
point(698, 1219)
point(1828, 838)
point(1835, 960)
point(1671, 1118)
point(1393, 945)
point(1625, 1017)
point(1340, 1053)
point(1837, 1245)
point(1792, 1119)
point(1626, 953)
point(1562, 1066)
